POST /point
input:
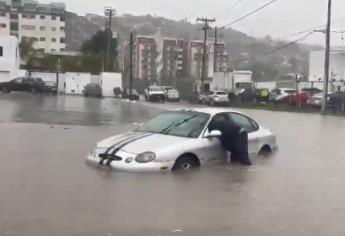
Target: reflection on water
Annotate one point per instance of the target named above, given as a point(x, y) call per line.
point(72, 110)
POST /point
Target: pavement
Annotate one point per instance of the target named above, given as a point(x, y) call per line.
point(47, 189)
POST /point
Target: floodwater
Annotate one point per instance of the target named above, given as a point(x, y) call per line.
point(46, 189)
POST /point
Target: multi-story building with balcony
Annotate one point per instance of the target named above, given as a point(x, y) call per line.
point(25, 19)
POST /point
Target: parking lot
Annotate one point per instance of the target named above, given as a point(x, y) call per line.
point(47, 189)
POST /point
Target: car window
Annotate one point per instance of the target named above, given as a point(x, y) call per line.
point(19, 80)
point(221, 93)
point(244, 122)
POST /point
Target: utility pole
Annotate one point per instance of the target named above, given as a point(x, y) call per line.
point(205, 28)
point(130, 66)
point(215, 56)
point(109, 12)
point(328, 42)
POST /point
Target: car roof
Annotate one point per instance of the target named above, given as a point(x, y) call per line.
point(211, 111)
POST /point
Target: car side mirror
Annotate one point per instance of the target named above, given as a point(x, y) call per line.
point(214, 134)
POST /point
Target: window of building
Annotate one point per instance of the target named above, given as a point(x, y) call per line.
point(54, 40)
point(62, 18)
point(28, 27)
point(42, 17)
point(3, 25)
point(1, 51)
point(53, 28)
point(3, 14)
point(42, 28)
point(53, 17)
point(24, 16)
point(62, 40)
point(53, 50)
point(62, 28)
point(14, 26)
point(42, 39)
point(14, 16)
point(62, 49)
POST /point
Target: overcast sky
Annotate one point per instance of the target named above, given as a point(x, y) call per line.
point(279, 20)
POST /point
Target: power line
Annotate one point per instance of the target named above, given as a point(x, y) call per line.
point(313, 28)
point(277, 49)
point(229, 8)
point(249, 14)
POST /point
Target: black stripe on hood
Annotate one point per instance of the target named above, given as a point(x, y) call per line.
point(119, 147)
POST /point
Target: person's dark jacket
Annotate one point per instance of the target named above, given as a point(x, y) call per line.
point(230, 133)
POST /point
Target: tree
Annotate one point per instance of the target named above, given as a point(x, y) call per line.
point(97, 46)
point(26, 48)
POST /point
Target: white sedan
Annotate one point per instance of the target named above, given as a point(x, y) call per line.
point(177, 140)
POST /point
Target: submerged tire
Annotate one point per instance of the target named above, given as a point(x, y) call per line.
point(186, 162)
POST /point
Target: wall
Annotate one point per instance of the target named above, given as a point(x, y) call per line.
point(109, 81)
point(9, 61)
point(75, 83)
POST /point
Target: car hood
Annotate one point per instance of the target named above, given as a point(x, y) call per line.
point(139, 142)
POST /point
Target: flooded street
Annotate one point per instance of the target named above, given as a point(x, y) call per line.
point(46, 189)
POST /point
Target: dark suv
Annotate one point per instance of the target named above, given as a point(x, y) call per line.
point(24, 84)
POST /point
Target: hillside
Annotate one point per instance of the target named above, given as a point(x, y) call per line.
point(245, 52)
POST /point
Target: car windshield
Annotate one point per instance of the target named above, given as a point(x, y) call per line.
point(156, 89)
point(50, 83)
point(221, 93)
point(183, 124)
point(172, 91)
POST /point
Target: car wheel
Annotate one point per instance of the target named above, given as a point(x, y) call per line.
point(186, 162)
point(265, 151)
point(5, 90)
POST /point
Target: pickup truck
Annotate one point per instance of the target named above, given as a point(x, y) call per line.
point(155, 94)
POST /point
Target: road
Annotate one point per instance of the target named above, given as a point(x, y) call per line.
point(46, 189)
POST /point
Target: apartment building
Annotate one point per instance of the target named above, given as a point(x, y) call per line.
point(146, 52)
point(196, 57)
point(45, 23)
point(218, 59)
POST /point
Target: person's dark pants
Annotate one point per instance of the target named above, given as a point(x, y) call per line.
point(239, 151)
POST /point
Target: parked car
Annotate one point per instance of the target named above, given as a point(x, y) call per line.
point(126, 94)
point(173, 95)
point(167, 88)
point(298, 98)
point(92, 90)
point(280, 95)
point(178, 140)
point(337, 101)
point(312, 91)
point(248, 95)
point(202, 97)
point(217, 98)
point(24, 84)
point(316, 100)
point(51, 87)
point(155, 94)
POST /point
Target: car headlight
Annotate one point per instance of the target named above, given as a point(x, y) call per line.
point(145, 157)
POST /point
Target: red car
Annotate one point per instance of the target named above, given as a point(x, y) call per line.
point(298, 98)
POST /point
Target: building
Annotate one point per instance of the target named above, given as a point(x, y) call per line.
point(146, 54)
point(218, 59)
point(9, 58)
point(317, 65)
point(25, 19)
point(168, 61)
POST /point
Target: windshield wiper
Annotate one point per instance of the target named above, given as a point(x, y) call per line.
point(172, 126)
